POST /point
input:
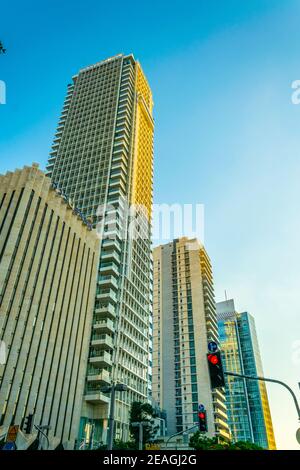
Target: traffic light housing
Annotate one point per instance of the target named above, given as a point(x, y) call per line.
point(28, 422)
point(215, 368)
point(202, 421)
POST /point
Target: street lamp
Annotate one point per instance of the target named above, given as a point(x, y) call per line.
point(112, 389)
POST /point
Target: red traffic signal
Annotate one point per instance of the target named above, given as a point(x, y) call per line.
point(213, 358)
point(202, 421)
point(215, 370)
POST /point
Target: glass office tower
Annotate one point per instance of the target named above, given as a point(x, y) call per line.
point(102, 157)
point(247, 400)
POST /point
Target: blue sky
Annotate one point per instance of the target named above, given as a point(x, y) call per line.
point(227, 134)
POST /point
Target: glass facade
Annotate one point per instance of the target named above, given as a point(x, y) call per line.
point(247, 401)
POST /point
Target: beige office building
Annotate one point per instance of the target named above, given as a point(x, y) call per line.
point(184, 320)
point(48, 265)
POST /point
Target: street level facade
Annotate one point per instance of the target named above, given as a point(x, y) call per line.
point(102, 157)
point(48, 265)
point(184, 321)
point(247, 400)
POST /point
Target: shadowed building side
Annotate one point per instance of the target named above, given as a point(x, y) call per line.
point(48, 266)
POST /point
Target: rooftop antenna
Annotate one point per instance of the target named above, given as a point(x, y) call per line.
point(226, 295)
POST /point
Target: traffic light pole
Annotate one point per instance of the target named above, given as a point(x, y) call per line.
point(110, 439)
point(181, 432)
point(264, 379)
point(112, 389)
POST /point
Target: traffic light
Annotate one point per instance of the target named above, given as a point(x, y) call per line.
point(215, 370)
point(202, 421)
point(28, 422)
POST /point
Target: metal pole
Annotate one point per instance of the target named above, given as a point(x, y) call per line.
point(45, 435)
point(141, 436)
point(251, 377)
point(163, 426)
point(181, 432)
point(110, 438)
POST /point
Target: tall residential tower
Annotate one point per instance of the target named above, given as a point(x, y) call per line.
point(102, 157)
point(247, 400)
point(184, 321)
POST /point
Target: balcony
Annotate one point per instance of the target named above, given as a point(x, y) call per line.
point(220, 413)
point(98, 375)
point(111, 245)
point(104, 326)
point(106, 310)
point(110, 255)
point(96, 397)
point(108, 282)
point(100, 358)
point(102, 341)
point(109, 268)
point(107, 295)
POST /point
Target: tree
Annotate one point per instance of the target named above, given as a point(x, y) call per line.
point(244, 445)
point(142, 412)
point(200, 442)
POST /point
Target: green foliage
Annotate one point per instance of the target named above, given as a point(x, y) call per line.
point(142, 412)
point(120, 445)
point(242, 445)
point(200, 442)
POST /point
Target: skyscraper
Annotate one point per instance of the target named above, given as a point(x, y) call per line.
point(102, 157)
point(247, 400)
point(48, 266)
point(184, 321)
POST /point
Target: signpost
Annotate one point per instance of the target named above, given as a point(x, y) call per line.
point(212, 347)
point(9, 446)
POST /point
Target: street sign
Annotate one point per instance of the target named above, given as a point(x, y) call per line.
point(9, 446)
point(12, 433)
point(298, 435)
point(212, 346)
point(201, 407)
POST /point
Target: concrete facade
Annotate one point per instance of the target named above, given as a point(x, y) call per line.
point(48, 266)
point(184, 320)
